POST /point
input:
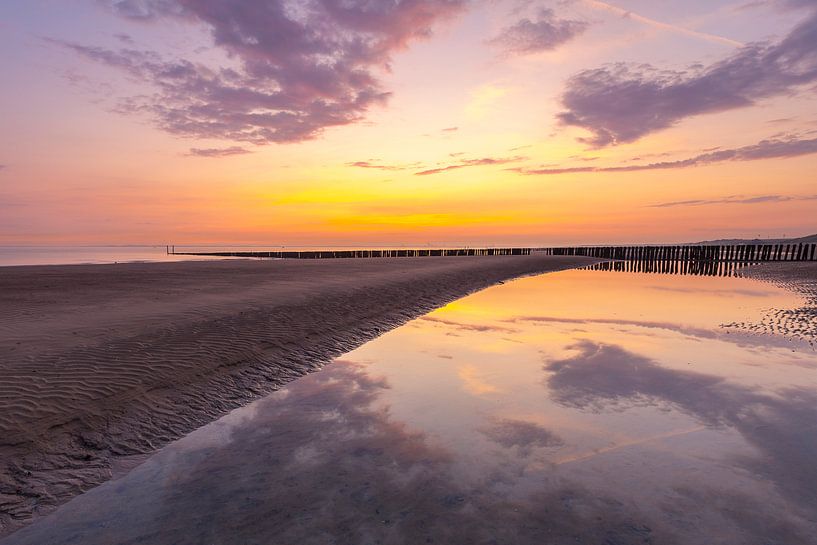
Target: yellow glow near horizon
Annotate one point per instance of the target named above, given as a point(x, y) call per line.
point(79, 166)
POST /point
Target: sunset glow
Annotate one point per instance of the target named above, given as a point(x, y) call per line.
point(330, 122)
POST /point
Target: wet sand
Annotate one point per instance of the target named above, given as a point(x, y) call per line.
point(795, 323)
point(102, 364)
point(582, 406)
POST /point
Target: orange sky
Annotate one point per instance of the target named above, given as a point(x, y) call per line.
point(494, 122)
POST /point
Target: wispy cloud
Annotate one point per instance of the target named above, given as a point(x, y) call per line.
point(379, 166)
point(124, 38)
point(451, 129)
point(298, 71)
point(517, 148)
point(545, 32)
point(736, 199)
point(218, 152)
point(145, 10)
point(766, 149)
point(631, 15)
point(781, 4)
point(472, 163)
point(623, 102)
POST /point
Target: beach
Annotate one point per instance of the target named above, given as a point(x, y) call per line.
point(104, 364)
point(581, 406)
point(800, 278)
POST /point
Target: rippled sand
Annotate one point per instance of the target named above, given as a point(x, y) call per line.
point(582, 406)
point(796, 323)
point(103, 363)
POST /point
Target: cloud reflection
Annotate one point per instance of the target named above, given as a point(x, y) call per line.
point(523, 435)
point(780, 425)
point(324, 462)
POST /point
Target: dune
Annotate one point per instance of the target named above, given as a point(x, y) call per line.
point(103, 364)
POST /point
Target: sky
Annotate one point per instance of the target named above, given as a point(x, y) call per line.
point(406, 122)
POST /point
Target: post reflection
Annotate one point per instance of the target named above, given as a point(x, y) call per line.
point(685, 267)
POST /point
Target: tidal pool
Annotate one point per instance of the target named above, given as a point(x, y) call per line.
point(575, 407)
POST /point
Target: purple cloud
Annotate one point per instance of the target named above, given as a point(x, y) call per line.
point(545, 33)
point(145, 10)
point(525, 436)
point(298, 71)
point(736, 199)
point(795, 4)
point(376, 166)
point(472, 163)
point(766, 149)
point(218, 152)
point(622, 102)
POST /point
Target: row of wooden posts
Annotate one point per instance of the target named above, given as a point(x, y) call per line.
point(342, 254)
point(739, 253)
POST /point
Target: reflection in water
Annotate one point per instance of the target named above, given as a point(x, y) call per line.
point(525, 436)
point(577, 407)
point(685, 267)
point(782, 426)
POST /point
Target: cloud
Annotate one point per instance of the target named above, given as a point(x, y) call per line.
point(381, 166)
point(781, 4)
point(736, 200)
point(299, 68)
point(472, 163)
point(517, 148)
point(602, 376)
point(145, 10)
point(368, 164)
point(632, 16)
point(767, 149)
point(623, 102)
point(796, 4)
point(124, 38)
point(451, 129)
point(545, 33)
point(218, 152)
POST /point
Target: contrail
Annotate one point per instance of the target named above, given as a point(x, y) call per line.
point(598, 4)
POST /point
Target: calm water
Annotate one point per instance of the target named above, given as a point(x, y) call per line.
point(74, 255)
point(577, 407)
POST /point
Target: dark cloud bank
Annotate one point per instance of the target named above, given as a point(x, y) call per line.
point(624, 102)
point(300, 67)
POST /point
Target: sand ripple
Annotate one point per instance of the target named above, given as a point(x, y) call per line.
point(100, 363)
point(797, 323)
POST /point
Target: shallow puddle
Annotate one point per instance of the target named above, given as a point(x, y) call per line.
point(574, 407)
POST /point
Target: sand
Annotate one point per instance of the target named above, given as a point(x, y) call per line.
point(101, 365)
point(795, 323)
